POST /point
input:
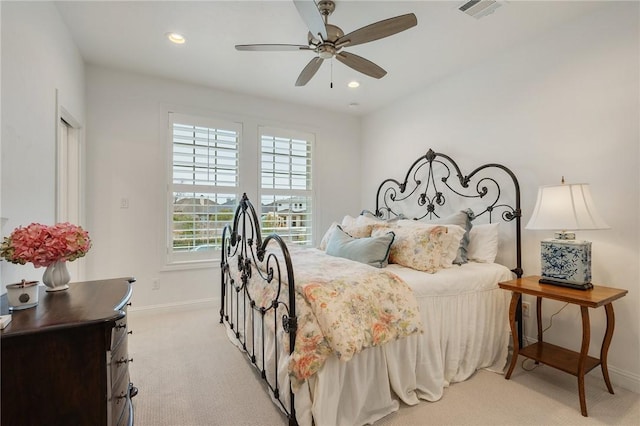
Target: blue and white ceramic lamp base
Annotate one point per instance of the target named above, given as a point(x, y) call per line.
point(566, 263)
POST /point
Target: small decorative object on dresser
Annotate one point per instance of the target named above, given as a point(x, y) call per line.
point(565, 261)
point(49, 246)
point(22, 295)
point(66, 362)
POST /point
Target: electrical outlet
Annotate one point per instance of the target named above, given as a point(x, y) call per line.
point(525, 309)
point(124, 203)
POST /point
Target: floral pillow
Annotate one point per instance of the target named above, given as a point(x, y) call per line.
point(421, 249)
point(355, 228)
point(462, 219)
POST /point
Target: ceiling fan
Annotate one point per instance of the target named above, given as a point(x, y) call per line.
point(328, 40)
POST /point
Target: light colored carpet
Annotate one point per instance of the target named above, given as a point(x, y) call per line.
point(189, 374)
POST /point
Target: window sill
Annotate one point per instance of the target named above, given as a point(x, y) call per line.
point(190, 265)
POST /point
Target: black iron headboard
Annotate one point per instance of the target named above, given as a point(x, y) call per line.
point(435, 185)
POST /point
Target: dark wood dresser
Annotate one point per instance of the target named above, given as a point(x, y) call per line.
point(65, 361)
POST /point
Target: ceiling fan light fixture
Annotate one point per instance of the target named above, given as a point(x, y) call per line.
point(353, 84)
point(176, 38)
point(326, 51)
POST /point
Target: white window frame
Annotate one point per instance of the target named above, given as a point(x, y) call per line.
point(306, 193)
point(205, 258)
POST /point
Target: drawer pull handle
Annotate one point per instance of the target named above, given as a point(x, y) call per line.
point(130, 332)
point(124, 361)
point(122, 396)
point(121, 326)
point(129, 304)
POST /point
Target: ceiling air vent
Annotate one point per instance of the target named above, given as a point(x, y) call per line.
point(479, 8)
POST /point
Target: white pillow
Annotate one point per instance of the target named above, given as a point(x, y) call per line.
point(483, 243)
point(451, 242)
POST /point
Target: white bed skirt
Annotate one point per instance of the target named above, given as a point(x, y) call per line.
point(463, 333)
point(368, 387)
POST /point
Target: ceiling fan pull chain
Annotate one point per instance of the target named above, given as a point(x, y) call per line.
point(331, 85)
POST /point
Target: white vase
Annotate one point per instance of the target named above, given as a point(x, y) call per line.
point(56, 276)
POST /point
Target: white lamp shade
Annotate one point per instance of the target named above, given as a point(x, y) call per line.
point(565, 207)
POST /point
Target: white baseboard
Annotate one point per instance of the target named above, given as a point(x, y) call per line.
point(165, 308)
point(619, 377)
point(624, 379)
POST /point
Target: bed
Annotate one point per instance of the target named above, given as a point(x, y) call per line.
point(339, 342)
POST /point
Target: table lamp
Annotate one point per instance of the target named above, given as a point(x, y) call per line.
point(565, 261)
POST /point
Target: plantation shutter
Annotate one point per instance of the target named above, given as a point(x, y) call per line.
point(286, 184)
point(204, 182)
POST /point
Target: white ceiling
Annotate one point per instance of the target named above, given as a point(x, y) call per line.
point(130, 35)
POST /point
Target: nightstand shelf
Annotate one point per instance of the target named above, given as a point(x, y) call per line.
point(575, 363)
point(558, 357)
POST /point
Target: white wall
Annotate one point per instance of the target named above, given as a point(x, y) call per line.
point(38, 57)
point(565, 104)
point(126, 158)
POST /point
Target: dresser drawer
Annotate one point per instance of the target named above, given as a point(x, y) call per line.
point(120, 397)
point(119, 331)
point(119, 360)
point(127, 414)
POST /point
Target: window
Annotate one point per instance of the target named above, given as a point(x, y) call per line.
point(208, 174)
point(204, 184)
point(286, 185)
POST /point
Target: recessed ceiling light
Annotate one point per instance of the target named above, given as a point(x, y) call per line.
point(353, 84)
point(176, 38)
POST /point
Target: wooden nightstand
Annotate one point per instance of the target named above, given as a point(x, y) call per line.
point(575, 363)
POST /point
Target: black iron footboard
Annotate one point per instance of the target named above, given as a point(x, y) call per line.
point(251, 316)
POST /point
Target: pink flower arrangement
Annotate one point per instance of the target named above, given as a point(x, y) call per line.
point(43, 245)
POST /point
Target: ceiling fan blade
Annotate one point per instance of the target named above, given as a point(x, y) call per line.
point(361, 64)
point(378, 30)
point(311, 16)
point(309, 71)
point(271, 47)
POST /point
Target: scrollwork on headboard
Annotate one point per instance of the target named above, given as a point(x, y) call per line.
point(434, 182)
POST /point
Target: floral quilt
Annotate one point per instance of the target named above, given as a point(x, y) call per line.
point(343, 307)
